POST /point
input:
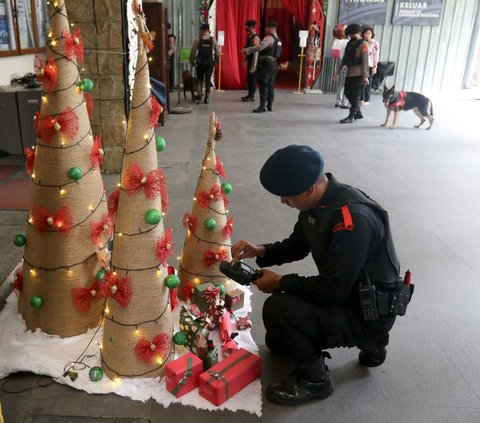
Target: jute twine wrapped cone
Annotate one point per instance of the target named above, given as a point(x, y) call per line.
point(134, 256)
point(199, 240)
point(57, 261)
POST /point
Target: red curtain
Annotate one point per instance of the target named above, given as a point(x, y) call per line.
point(231, 18)
point(300, 9)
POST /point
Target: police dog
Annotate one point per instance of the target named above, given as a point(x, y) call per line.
point(193, 85)
point(402, 100)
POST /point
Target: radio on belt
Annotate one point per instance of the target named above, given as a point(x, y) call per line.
point(239, 272)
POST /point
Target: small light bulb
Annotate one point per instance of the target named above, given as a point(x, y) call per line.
point(107, 310)
point(30, 220)
point(194, 198)
point(160, 360)
point(208, 158)
point(179, 257)
point(145, 136)
point(70, 272)
point(33, 175)
point(114, 273)
point(83, 69)
point(137, 331)
point(44, 99)
point(163, 213)
point(55, 4)
point(54, 43)
point(119, 185)
point(120, 234)
point(124, 122)
point(159, 272)
point(204, 168)
point(150, 59)
point(72, 24)
point(62, 191)
point(90, 207)
point(226, 211)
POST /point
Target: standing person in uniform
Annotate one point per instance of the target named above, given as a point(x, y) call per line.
point(204, 55)
point(349, 237)
point(373, 59)
point(171, 56)
point(355, 59)
point(269, 51)
point(252, 40)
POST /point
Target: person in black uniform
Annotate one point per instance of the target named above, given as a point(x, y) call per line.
point(252, 40)
point(204, 55)
point(355, 59)
point(349, 238)
point(269, 51)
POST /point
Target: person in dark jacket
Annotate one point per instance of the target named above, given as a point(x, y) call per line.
point(252, 40)
point(349, 238)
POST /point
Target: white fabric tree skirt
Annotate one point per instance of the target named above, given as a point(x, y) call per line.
point(43, 354)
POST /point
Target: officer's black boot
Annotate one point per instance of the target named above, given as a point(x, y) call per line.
point(248, 98)
point(358, 115)
point(374, 354)
point(261, 108)
point(205, 101)
point(269, 106)
point(349, 119)
point(298, 389)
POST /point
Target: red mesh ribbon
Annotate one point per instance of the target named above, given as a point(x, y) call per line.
point(73, 44)
point(218, 132)
point(156, 110)
point(30, 160)
point(48, 126)
point(211, 257)
point(118, 289)
point(101, 228)
point(165, 246)
point(96, 155)
point(46, 72)
point(189, 222)
point(228, 344)
point(88, 103)
point(83, 297)
point(228, 229)
point(226, 201)
point(173, 298)
point(113, 202)
point(212, 294)
point(220, 169)
point(17, 280)
point(152, 183)
point(61, 221)
point(188, 291)
point(146, 351)
point(204, 197)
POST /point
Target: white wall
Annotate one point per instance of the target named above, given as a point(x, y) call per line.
point(15, 65)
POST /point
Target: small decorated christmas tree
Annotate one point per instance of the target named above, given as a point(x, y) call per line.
point(137, 337)
point(68, 225)
point(207, 241)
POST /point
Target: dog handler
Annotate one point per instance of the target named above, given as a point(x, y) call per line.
point(349, 238)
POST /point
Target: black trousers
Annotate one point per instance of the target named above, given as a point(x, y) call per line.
point(204, 72)
point(354, 91)
point(301, 330)
point(251, 80)
point(266, 72)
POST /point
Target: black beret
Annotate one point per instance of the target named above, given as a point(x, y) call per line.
point(205, 27)
point(353, 29)
point(250, 23)
point(291, 170)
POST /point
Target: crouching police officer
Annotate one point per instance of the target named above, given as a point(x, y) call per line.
point(349, 237)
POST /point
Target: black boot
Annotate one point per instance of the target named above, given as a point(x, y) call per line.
point(297, 389)
point(374, 354)
point(349, 119)
point(269, 107)
point(248, 98)
point(205, 101)
point(358, 115)
point(261, 108)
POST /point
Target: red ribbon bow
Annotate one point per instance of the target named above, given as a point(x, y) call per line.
point(219, 165)
point(228, 229)
point(112, 204)
point(189, 222)
point(83, 297)
point(156, 110)
point(42, 220)
point(17, 281)
point(211, 257)
point(146, 350)
point(73, 44)
point(118, 289)
point(212, 294)
point(97, 153)
point(30, 160)
point(153, 183)
point(204, 197)
point(165, 247)
point(101, 228)
point(228, 344)
point(48, 126)
point(173, 298)
point(46, 72)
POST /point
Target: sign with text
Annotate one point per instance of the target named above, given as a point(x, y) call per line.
point(363, 12)
point(415, 12)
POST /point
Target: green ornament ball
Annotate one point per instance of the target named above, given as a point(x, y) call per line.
point(210, 223)
point(153, 216)
point(172, 281)
point(36, 301)
point(86, 85)
point(101, 274)
point(161, 143)
point(95, 374)
point(221, 286)
point(179, 338)
point(75, 173)
point(226, 188)
point(19, 240)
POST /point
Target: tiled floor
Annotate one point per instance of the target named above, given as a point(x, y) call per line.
point(429, 181)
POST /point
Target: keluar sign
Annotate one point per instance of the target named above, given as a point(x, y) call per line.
point(415, 12)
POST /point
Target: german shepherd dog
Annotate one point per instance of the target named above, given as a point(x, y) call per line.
point(193, 85)
point(402, 100)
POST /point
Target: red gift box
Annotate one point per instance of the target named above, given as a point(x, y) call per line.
point(230, 376)
point(182, 374)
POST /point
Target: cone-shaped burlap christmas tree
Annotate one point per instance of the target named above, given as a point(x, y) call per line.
point(137, 337)
point(207, 241)
point(68, 221)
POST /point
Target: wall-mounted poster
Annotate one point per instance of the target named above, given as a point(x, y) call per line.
point(363, 12)
point(417, 12)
